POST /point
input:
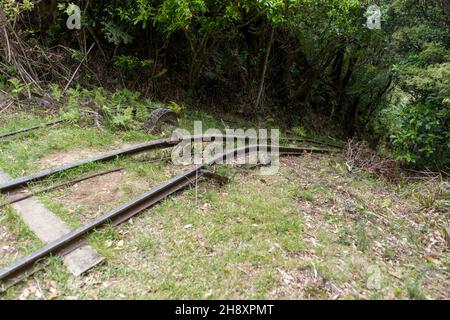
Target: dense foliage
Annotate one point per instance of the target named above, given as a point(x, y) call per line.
point(312, 63)
point(421, 49)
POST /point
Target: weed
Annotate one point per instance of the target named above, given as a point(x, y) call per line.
point(414, 291)
point(362, 240)
point(303, 195)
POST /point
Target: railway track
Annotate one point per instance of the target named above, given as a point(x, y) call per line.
point(146, 146)
point(14, 133)
point(75, 239)
point(137, 148)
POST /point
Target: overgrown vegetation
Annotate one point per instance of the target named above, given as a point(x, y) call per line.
point(302, 63)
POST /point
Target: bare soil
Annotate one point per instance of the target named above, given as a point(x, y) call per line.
point(62, 158)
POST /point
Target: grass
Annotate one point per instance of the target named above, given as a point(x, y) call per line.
point(313, 231)
point(24, 240)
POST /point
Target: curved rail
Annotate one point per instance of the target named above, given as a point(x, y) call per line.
point(146, 146)
point(73, 240)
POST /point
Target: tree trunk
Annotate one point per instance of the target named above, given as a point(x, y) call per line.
point(264, 71)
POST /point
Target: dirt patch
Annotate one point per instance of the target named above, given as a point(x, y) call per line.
point(70, 156)
point(96, 194)
point(61, 158)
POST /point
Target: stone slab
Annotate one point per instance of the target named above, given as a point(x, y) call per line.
point(48, 227)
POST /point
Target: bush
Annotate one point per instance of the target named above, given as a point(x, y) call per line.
point(423, 136)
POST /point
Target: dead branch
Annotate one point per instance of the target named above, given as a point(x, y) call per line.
point(359, 156)
point(7, 107)
point(78, 68)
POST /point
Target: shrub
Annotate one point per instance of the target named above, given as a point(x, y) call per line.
point(423, 137)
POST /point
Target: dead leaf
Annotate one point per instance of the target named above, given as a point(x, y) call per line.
point(433, 260)
point(119, 245)
point(205, 207)
point(53, 293)
point(25, 294)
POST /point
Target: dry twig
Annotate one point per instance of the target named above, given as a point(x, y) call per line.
point(358, 155)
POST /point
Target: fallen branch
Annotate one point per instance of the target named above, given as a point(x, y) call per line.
point(10, 134)
point(78, 68)
point(156, 160)
point(7, 107)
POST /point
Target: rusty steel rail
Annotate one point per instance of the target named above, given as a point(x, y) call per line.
point(315, 141)
point(73, 240)
point(20, 197)
point(14, 133)
point(146, 146)
point(20, 182)
point(137, 148)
